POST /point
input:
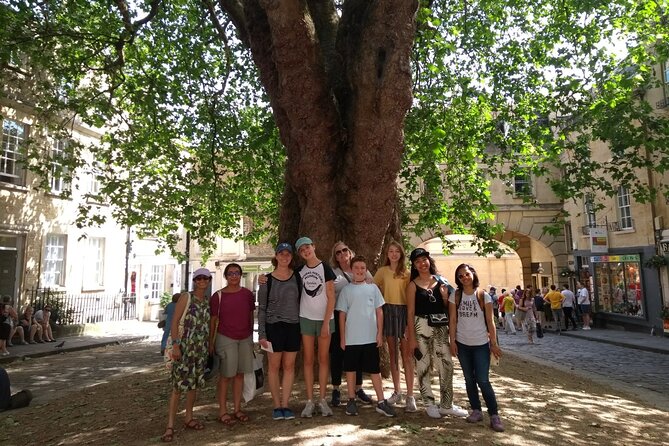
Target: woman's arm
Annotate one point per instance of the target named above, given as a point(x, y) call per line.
point(174, 329)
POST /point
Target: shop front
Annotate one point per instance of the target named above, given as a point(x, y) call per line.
point(618, 285)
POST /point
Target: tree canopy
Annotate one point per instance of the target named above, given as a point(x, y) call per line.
point(343, 119)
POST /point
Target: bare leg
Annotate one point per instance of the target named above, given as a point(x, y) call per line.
point(273, 369)
point(378, 386)
point(288, 364)
point(222, 395)
point(308, 346)
point(190, 403)
point(237, 386)
point(394, 365)
point(172, 411)
point(407, 363)
point(350, 384)
point(323, 363)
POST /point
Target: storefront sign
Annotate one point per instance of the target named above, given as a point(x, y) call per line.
point(624, 258)
point(599, 240)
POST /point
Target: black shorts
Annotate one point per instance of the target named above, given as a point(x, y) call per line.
point(362, 357)
point(285, 337)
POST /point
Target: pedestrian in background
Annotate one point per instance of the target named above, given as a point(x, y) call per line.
point(584, 304)
point(279, 328)
point(169, 314)
point(473, 339)
point(526, 306)
point(554, 298)
point(392, 279)
point(231, 337)
point(568, 307)
point(509, 305)
point(190, 351)
point(427, 294)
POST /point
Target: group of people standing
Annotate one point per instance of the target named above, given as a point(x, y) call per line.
point(344, 314)
point(525, 308)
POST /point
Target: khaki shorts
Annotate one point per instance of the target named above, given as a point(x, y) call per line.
point(236, 356)
point(309, 327)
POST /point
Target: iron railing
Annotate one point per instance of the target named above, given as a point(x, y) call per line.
point(87, 308)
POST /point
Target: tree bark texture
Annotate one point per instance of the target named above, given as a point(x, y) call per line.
point(339, 87)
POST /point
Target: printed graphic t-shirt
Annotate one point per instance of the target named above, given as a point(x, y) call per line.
point(314, 299)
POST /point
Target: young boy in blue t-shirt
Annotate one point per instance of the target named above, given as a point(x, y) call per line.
point(361, 329)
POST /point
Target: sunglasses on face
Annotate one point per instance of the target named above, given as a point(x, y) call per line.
point(233, 274)
point(340, 251)
point(465, 274)
point(199, 278)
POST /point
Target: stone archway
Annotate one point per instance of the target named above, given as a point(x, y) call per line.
point(542, 255)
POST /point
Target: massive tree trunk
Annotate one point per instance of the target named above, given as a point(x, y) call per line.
point(340, 88)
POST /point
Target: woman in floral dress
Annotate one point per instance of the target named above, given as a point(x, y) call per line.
point(190, 351)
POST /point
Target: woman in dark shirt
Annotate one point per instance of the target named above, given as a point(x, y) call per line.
point(428, 294)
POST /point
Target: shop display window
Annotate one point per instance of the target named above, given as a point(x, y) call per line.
point(618, 287)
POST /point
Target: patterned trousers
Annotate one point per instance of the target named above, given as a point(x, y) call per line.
point(433, 344)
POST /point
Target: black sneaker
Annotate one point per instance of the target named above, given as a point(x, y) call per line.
point(385, 409)
point(362, 396)
point(351, 407)
point(336, 398)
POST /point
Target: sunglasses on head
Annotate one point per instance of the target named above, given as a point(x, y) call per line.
point(339, 251)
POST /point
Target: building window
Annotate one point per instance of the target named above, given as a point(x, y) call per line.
point(522, 185)
point(94, 263)
point(589, 211)
point(157, 281)
point(624, 209)
point(11, 168)
point(59, 183)
point(54, 260)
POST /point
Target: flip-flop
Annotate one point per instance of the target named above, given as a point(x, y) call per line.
point(194, 424)
point(167, 438)
point(241, 416)
point(226, 419)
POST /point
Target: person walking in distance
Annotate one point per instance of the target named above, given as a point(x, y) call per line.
point(568, 307)
point(509, 305)
point(584, 304)
point(554, 297)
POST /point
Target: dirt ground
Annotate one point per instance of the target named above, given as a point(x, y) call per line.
point(539, 406)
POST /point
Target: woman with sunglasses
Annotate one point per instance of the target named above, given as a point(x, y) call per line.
point(427, 294)
point(392, 279)
point(473, 340)
point(341, 265)
point(190, 351)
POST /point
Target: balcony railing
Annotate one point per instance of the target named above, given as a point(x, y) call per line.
point(620, 225)
point(585, 230)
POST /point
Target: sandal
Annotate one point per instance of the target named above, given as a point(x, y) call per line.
point(241, 416)
point(226, 419)
point(168, 436)
point(194, 424)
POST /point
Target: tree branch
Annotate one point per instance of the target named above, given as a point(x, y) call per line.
point(235, 11)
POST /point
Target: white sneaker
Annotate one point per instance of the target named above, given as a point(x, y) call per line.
point(308, 411)
point(395, 398)
point(324, 408)
point(433, 411)
point(454, 411)
point(410, 404)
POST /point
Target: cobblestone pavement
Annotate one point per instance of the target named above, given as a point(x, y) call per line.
point(52, 376)
point(644, 374)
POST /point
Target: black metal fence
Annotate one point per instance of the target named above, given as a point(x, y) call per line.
point(87, 308)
